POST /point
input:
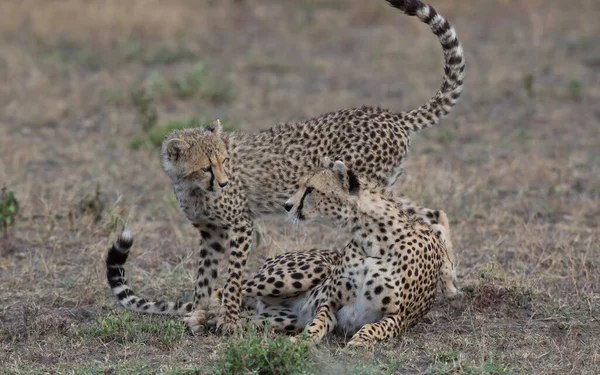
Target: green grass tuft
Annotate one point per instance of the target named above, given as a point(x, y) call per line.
point(453, 362)
point(576, 89)
point(73, 54)
point(9, 209)
point(140, 329)
point(200, 82)
point(256, 353)
point(93, 205)
point(137, 143)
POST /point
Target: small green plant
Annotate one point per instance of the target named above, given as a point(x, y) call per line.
point(136, 143)
point(256, 353)
point(146, 113)
point(372, 367)
point(445, 135)
point(9, 209)
point(172, 200)
point(74, 54)
point(200, 82)
point(576, 89)
point(452, 362)
point(93, 205)
point(528, 84)
point(166, 55)
point(113, 96)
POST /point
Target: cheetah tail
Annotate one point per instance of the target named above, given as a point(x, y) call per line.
point(115, 273)
point(454, 66)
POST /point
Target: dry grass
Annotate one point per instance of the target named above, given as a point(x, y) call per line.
point(516, 167)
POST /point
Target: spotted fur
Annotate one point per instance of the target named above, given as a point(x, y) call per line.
point(286, 292)
point(387, 276)
point(224, 182)
point(284, 276)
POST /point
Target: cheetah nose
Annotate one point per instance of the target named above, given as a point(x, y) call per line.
point(288, 206)
point(223, 184)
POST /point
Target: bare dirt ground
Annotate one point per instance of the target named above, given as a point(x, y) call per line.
point(516, 166)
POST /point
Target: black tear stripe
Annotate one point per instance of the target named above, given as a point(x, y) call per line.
point(211, 186)
point(306, 192)
point(353, 183)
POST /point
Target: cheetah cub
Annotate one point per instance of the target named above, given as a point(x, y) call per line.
point(387, 276)
point(225, 181)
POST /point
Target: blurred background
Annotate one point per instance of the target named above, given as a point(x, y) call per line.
point(88, 89)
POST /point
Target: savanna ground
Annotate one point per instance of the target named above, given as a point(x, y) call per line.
point(88, 87)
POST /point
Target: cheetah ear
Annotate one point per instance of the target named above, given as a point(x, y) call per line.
point(215, 127)
point(175, 147)
point(326, 162)
point(349, 179)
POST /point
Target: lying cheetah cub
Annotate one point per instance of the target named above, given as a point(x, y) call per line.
point(387, 276)
point(225, 181)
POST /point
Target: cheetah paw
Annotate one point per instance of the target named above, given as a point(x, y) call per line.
point(212, 318)
point(359, 342)
point(311, 339)
point(451, 291)
point(195, 320)
point(227, 325)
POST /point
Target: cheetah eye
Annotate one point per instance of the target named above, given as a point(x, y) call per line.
point(309, 190)
point(207, 169)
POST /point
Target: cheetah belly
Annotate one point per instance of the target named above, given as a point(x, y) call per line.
point(351, 317)
point(299, 305)
point(303, 310)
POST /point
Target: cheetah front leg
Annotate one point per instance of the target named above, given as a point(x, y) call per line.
point(241, 242)
point(337, 290)
point(387, 328)
point(323, 323)
point(213, 242)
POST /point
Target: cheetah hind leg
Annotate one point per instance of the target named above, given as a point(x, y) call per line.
point(448, 270)
point(433, 217)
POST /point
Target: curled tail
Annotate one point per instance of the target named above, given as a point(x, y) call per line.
point(115, 273)
point(447, 96)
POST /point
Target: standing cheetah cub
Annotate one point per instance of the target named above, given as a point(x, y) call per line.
point(387, 276)
point(223, 182)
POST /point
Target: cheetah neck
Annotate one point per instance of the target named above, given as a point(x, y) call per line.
point(375, 218)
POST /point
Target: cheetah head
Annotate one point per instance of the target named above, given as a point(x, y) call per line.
point(196, 156)
point(327, 194)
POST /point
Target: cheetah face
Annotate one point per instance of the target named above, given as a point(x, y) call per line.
point(196, 156)
point(327, 195)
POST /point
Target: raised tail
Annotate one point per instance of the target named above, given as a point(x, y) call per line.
point(447, 96)
point(115, 273)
